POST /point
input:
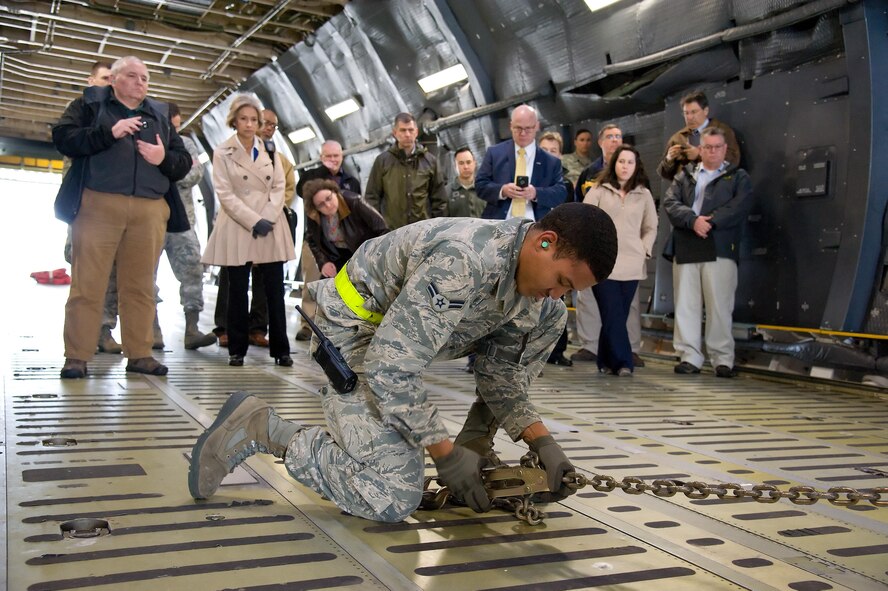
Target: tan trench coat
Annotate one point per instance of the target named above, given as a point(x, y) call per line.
point(248, 191)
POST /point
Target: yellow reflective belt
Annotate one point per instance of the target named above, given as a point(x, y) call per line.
point(353, 299)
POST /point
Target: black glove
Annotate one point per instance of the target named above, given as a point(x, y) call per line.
point(556, 464)
point(262, 227)
point(461, 472)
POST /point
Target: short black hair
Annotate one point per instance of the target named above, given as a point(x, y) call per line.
point(581, 132)
point(98, 66)
point(403, 118)
point(174, 109)
point(586, 233)
point(461, 150)
point(696, 96)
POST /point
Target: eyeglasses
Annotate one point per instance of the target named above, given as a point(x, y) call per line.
point(712, 147)
point(524, 129)
point(613, 136)
point(271, 125)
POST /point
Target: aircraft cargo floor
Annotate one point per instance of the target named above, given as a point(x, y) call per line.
point(113, 449)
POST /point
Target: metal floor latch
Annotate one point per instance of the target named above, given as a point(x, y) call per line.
point(514, 481)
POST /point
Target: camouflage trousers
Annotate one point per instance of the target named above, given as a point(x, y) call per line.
point(183, 252)
point(358, 462)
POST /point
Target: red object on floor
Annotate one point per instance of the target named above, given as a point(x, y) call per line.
point(41, 276)
point(55, 277)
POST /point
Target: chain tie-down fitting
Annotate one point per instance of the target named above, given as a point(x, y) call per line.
point(511, 489)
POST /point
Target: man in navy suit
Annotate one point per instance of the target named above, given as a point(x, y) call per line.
point(496, 181)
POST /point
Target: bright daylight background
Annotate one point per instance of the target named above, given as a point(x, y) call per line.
point(32, 239)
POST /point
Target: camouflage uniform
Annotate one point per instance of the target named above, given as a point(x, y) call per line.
point(446, 287)
point(183, 248)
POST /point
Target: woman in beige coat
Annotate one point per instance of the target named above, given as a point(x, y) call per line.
point(251, 229)
point(621, 191)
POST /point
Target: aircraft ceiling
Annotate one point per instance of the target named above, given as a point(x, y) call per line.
point(196, 50)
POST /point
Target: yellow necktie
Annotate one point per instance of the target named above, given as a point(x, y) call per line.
point(519, 205)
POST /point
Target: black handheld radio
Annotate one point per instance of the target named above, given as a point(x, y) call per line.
point(341, 376)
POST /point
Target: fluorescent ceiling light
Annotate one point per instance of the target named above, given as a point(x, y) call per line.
point(303, 134)
point(340, 110)
point(203, 157)
point(446, 77)
point(598, 4)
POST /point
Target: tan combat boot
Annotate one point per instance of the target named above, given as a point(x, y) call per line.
point(244, 427)
point(194, 339)
point(107, 344)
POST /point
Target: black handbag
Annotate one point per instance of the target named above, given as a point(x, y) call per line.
point(67, 201)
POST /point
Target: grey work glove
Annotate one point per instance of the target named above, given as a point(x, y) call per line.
point(262, 227)
point(556, 464)
point(461, 472)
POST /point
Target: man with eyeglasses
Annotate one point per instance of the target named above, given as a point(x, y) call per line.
point(609, 139)
point(707, 204)
point(683, 147)
point(516, 178)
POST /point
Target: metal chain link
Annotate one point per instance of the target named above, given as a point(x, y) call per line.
point(842, 496)
point(523, 508)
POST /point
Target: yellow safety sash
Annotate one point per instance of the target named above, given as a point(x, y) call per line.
point(353, 299)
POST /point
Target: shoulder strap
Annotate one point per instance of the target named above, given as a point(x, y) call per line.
point(270, 148)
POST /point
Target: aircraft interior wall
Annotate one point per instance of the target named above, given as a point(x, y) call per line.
point(803, 105)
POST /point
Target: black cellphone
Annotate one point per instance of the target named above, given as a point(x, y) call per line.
point(147, 133)
point(522, 181)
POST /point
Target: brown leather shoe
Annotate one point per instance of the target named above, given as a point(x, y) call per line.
point(637, 361)
point(148, 365)
point(257, 339)
point(584, 355)
point(223, 340)
point(74, 369)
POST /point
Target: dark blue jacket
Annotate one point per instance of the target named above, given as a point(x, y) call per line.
point(115, 165)
point(498, 169)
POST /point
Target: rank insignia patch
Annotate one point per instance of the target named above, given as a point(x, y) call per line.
point(439, 302)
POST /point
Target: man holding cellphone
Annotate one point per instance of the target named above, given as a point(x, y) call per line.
point(123, 216)
point(684, 146)
point(517, 179)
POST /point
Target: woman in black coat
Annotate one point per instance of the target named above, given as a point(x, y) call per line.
point(337, 224)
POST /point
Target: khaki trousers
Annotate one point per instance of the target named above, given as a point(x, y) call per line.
point(711, 286)
point(131, 231)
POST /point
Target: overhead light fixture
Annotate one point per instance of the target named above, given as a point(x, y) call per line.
point(203, 157)
point(303, 134)
point(598, 4)
point(445, 77)
point(340, 110)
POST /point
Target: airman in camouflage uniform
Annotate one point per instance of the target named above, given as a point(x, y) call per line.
point(183, 252)
point(444, 287)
